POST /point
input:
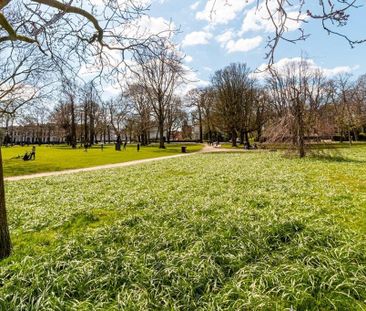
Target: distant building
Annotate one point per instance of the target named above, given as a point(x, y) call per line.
point(33, 134)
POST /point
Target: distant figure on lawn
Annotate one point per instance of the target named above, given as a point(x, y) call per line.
point(138, 147)
point(33, 153)
point(102, 147)
point(27, 156)
point(125, 145)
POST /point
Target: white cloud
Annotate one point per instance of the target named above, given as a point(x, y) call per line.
point(222, 11)
point(258, 19)
point(122, 4)
point(225, 37)
point(192, 82)
point(195, 5)
point(284, 62)
point(188, 59)
point(243, 45)
point(112, 90)
point(331, 72)
point(155, 25)
point(227, 40)
point(146, 26)
point(197, 38)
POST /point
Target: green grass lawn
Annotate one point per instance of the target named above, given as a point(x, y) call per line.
point(62, 157)
point(312, 146)
point(238, 231)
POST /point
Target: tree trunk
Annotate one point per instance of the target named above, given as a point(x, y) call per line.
point(241, 137)
point(246, 140)
point(233, 138)
point(259, 134)
point(301, 138)
point(145, 138)
point(5, 243)
point(349, 137)
point(118, 143)
point(169, 135)
point(91, 125)
point(86, 124)
point(161, 133)
point(200, 124)
point(73, 127)
point(210, 136)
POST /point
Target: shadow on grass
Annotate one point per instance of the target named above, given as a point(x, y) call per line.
point(332, 156)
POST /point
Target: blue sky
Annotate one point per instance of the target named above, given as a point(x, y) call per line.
point(237, 33)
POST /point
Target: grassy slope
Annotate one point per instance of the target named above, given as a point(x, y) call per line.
point(251, 231)
point(59, 158)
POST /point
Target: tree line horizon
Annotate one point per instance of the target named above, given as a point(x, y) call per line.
point(288, 105)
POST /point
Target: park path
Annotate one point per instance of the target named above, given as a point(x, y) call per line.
point(94, 168)
point(206, 149)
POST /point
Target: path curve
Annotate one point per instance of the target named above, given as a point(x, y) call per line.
point(95, 168)
point(205, 149)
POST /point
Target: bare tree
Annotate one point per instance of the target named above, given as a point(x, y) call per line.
point(296, 93)
point(174, 117)
point(22, 82)
point(70, 35)
point(160, 71)
point(261, 111)
point(207, 108)
point(196, 98)
point(5, 242)
point(81, 31)
point(360, 101)
point(233, 85)
point(142, 109)
point(70, 89)
point(119, 111)
point(333, 16)
point(347, 106)
point(24, 79)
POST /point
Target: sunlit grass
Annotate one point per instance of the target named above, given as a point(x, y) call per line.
point(57, 158)
point(240, 231)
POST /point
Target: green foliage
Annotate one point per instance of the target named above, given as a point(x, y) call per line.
point(58, 158)
point(239, 231)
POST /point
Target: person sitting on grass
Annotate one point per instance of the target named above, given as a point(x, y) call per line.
point(27, 156)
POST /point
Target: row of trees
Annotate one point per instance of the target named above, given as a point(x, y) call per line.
point(291, 104)
point(148, 100)
point(132, 115)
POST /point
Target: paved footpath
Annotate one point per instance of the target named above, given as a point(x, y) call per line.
point(206, 149)
point(95, 168)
